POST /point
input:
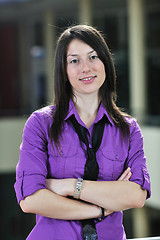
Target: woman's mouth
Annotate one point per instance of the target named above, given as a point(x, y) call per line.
point(87, 79)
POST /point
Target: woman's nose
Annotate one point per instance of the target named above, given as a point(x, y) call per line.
point(85, 66)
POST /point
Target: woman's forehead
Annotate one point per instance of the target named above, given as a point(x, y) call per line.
point(77, 47)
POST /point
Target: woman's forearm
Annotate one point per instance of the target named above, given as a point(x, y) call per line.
point(116, 195)
point(52, 205)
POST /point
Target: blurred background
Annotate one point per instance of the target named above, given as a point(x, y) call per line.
point(28, 33)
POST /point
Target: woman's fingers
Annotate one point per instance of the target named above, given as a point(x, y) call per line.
point(125, 175)
point(107, 212)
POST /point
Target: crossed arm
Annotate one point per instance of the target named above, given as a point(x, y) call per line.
point(112, 196)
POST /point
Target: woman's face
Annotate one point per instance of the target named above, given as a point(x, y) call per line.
point(86, 72)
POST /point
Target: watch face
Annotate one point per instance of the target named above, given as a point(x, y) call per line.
point(78, 188)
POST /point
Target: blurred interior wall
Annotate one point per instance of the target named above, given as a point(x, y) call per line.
point(11, 128)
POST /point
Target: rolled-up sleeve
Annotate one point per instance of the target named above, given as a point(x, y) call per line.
point(31, 170)
point(137, 160)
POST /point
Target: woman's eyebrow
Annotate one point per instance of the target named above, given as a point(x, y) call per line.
point(72, 55)
point(75, 55)
point(91, 51)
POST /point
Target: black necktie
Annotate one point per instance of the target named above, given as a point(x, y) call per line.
point(91, 169)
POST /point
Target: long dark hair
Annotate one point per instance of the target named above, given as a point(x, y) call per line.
point(63, 89)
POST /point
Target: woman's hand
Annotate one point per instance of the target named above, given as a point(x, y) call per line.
point(64, 187)
point(126, 175)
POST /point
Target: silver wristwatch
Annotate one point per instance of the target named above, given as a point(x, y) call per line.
point(78, 188)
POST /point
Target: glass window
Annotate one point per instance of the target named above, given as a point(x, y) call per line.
point(9, 70)
point(153, 65)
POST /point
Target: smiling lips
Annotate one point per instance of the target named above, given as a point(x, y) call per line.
point(87, 79)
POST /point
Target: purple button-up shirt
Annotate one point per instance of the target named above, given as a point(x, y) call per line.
point(39, 161)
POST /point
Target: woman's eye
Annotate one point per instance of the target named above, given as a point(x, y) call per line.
point(92, 57)
point(74, 60)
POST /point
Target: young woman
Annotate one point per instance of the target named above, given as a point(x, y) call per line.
point(81, 160)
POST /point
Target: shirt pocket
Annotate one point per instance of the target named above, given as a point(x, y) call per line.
point(62, 161)
point(113, 163)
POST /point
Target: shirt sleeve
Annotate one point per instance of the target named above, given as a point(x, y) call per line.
point(137, 160)
point(31, 170)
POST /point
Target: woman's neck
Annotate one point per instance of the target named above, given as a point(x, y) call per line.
point(87, 107)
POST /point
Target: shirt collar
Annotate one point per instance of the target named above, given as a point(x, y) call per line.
point(101, 112)
point(72, 110)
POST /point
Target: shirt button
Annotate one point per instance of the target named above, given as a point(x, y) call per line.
point(61, 152)
point(20, 175)
point(117, 157)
